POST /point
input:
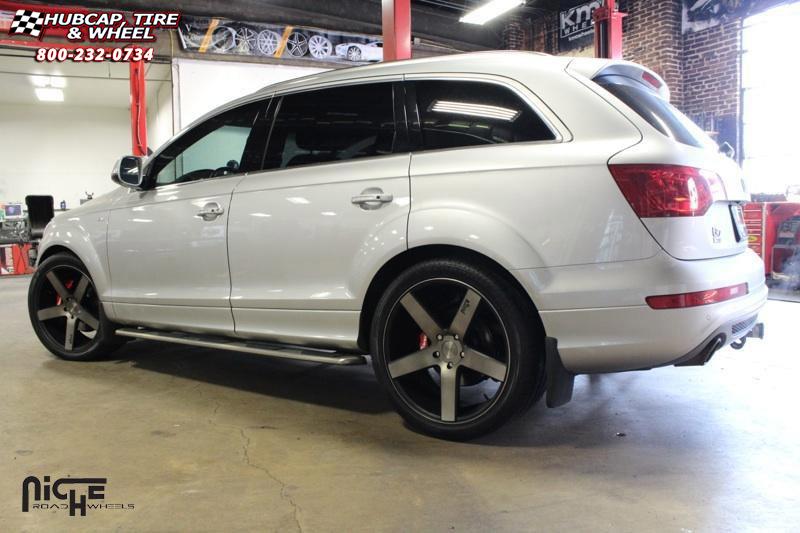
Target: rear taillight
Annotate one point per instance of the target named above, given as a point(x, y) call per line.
point(694, 299)
point(668, 190)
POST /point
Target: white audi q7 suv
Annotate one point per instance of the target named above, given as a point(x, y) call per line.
point(485, 226)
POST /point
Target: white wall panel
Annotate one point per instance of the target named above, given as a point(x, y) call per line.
point(60, 150)
point(203, 85)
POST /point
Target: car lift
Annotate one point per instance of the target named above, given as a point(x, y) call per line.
point(608, 30)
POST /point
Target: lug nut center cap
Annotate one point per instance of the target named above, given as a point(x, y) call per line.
point(451, 350)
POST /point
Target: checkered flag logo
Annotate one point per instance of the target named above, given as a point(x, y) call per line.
point(27, 23)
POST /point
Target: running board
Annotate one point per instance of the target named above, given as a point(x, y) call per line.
point(309, 355)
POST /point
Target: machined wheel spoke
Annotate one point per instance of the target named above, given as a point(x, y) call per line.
point(69, 335)
point(57, 285)
point(488, 366)
point(449, 391)
point(466, 310)
point(88, 319)
point(426, 323)
point(51, 312)
point(412, 363)
point(80, 290)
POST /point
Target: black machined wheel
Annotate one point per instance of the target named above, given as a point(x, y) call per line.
point(297, 44)
point(452, 346)
point(66, 313)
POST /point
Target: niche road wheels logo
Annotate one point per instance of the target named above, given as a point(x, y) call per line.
point(77, 495)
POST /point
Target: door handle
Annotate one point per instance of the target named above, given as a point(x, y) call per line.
point(372, 198)
point(210, 211)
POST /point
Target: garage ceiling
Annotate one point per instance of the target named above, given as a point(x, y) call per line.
point(87, 84)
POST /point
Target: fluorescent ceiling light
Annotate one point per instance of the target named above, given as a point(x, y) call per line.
point(49, 94)
point(487, 12)
point(49, 81)
point(475, 110)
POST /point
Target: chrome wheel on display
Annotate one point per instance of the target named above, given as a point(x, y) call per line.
point(246, 40)
point(452, 345)
point(267, 42)
point(223, 39)
point(297, 44)
point(66, 312)
point(320, 47)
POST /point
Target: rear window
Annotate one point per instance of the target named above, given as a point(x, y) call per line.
point(456, 114)
point(659, 113)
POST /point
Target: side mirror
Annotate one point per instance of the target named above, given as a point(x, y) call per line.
point(727, 149)
point(128, 172)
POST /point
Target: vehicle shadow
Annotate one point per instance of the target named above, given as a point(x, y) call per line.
point(605, 410)
point(347, 388)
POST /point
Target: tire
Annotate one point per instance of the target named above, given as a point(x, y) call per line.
point(72, 306)
point(490, 356)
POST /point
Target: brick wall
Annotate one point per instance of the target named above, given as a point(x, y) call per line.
point(651, 35)
point(516, 33)
point(711, 70)
point(701, 68)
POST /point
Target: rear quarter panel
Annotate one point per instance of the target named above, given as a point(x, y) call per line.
point(539, 204)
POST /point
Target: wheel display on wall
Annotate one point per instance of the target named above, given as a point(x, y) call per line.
point(354, 53)
point(297, 44)
point(223, 39)
point(320, 47)
point(267, 42)
point(247, 40)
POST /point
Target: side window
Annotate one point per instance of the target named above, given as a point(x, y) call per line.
point(332, 125)
point(217, 147)
point(471, 113)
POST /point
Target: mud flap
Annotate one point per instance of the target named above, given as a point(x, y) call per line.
point(560, 381)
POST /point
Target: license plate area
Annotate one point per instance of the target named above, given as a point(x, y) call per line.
point(739, 228)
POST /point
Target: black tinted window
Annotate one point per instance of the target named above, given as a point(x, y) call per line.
point(464, 113)
point(216, 147)
point(332, 125)
point(659, 113)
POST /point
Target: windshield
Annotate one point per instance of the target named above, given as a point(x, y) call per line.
point(659, 113)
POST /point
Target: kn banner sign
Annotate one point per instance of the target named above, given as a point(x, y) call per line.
point(575, 24)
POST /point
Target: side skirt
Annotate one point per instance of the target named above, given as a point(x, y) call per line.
point(295, 353)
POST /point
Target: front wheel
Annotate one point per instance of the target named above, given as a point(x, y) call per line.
point(452, 345)
point(66, 313)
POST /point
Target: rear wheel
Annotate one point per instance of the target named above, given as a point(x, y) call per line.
point(452, 345)
point(66, 312)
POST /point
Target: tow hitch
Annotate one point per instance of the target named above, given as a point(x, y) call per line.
point(757, 332)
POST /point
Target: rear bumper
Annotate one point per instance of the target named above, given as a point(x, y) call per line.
point(597, 312)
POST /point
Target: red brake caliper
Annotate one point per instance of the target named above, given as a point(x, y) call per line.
point(69, 284)
point(424, 342)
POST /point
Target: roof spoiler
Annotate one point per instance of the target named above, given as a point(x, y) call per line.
point(592, 68)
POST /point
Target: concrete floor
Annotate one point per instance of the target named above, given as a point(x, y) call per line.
point(210, 441)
